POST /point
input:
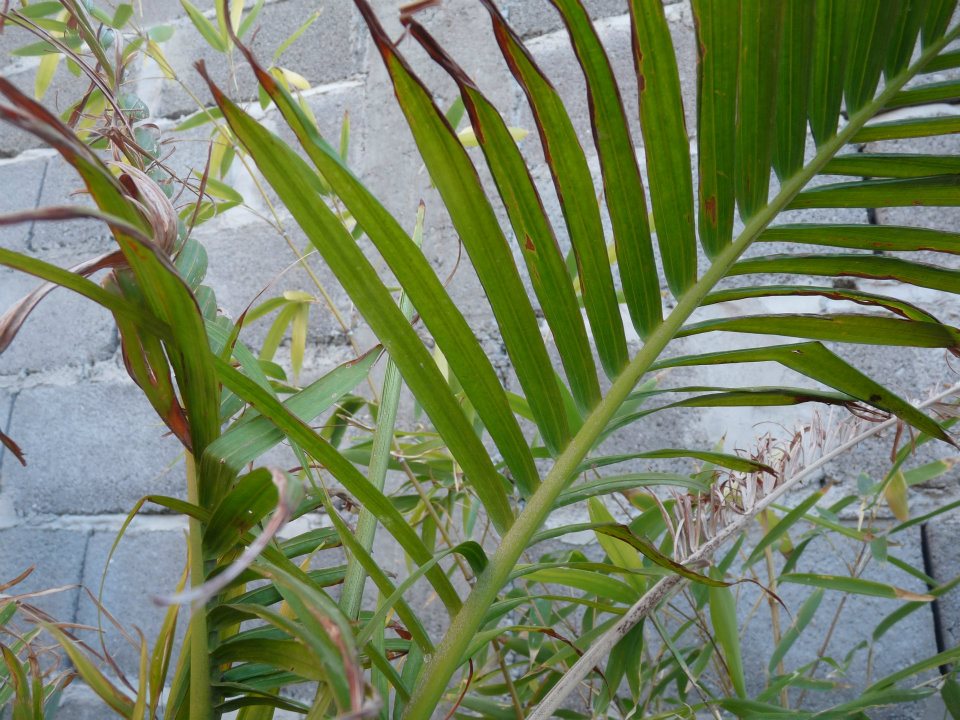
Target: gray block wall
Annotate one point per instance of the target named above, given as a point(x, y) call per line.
point(94, 446)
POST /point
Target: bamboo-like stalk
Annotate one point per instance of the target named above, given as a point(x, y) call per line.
point(379, 458)
point(664, 587)
point(201, 701)
point(437, 672)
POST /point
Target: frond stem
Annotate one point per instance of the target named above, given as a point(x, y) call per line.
point(448, 657)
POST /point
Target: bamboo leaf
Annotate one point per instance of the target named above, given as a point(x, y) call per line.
point(665, 143)
point(647, 548)
point(857, 586)
point(783, 525)
point(206, 29)
point(805, 614)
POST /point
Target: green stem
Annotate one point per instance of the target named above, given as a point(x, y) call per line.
point(201, 703)
point(356, 576)
point(437, 672)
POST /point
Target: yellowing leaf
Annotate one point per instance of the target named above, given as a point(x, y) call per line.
point(895, 493)
point(469, 138)
point(45, 72)
point(298, 296)
point(294, 80)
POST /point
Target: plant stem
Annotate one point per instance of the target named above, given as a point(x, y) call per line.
point(439, 669)
point(201, 705)
point(379, 459)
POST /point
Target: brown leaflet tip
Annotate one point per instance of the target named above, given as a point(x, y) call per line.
point(10, 445)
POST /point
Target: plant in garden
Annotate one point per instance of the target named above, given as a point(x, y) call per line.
point(263, 620)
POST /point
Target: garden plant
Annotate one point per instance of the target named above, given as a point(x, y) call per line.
point(646, 245)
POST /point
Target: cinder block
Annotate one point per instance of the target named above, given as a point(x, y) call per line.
point(72, 241)
point(324, 53)
point(250, 258)
point(146, 564)
point(91, 448)
point(64, 90)
point(56, 554)
point(21, 179)
point(153, 12)
point(535, 17)
point(64, 329)
point(944, 556)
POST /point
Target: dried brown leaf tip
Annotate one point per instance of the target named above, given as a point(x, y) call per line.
point(10, 445)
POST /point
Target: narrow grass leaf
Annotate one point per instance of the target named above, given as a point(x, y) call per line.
point(726, 630)
point(854, 585)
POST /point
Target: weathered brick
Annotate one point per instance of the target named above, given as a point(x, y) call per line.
point(91, 448)
point(57, 555)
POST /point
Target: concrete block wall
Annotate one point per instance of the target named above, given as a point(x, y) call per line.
point(94, 445)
